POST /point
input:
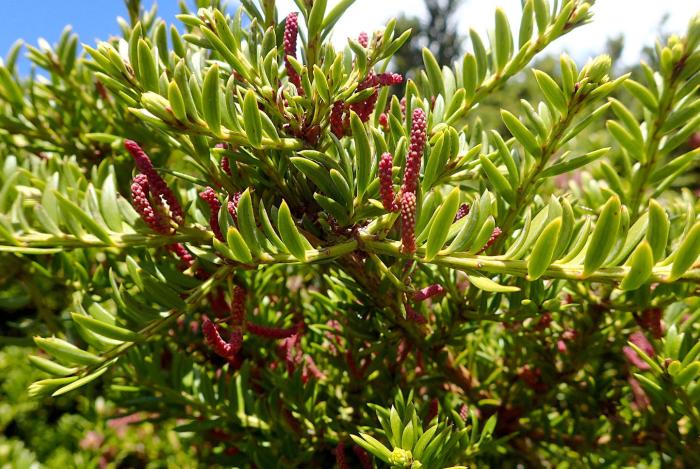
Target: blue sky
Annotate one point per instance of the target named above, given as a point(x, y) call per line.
point(91, 19)
point(96, 19)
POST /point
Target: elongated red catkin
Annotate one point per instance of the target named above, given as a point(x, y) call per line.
point(340, 456)
point(209, 196)
point(365, 108)
point(386, 185)
point(213, 338)
point(428, 292)
point(291, 31)
point(494, 236)
point(142, 205)
point(182, 253)
point(238, 306)
point(464, 412)
point(415, 151)
point(233, 206)
point(432, 410)
point(462, 212)
point(408, 222)
point(310, 369)
point(363, 457)
point(270, 332)
point(236, 340)
point(338, 120)
point(156, 184)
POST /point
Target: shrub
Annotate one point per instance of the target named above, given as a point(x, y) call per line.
point(258, 241)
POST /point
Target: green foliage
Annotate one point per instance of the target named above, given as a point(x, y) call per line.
point(276, 317)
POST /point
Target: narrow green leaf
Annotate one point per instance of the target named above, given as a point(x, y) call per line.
point(321, 84)
point(658, 229)
point(432, 68)
point(316, 15)
point(373, 446)
point(552, 93)
point(80, 382)
point(363, 154)
point(104, 329)
point(486, 284)
point(210, 100)
point(162, 293)
point(571, 164)
point(247, 225)
point(526, 24)
point(521, 133)
point(485, 232)
point(640, 263)
point(687, 253)
point(50, 367)
point(626, 140)
point(108, 203)
point(604, 236)
point(72, 210)
point(504, 40)
point(543, 251)
point(147, 67)
point(497, 179)
point(252, 122)
point(479, 54)
point(542, 15)
point(65, 351)
point(441, 225)
point(642, 94)
point(291, 237)
point(238, 246)
point(269, 231)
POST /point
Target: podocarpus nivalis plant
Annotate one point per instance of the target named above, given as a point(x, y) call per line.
point(263, 243)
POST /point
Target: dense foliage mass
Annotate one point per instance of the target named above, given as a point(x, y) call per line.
point(240, 236)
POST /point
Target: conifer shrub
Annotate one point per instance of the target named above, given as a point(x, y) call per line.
point(252, 237)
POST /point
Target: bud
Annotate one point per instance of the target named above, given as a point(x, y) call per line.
point(428, 292)
point(414, 316)
point(596, 70)
point(408, 222)
point(209, 196)
point(384, 121)
point(363, 39)
point(401, 457)
point(386, 187)
point(415, 151)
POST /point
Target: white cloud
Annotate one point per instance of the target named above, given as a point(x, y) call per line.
point(636, 19)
